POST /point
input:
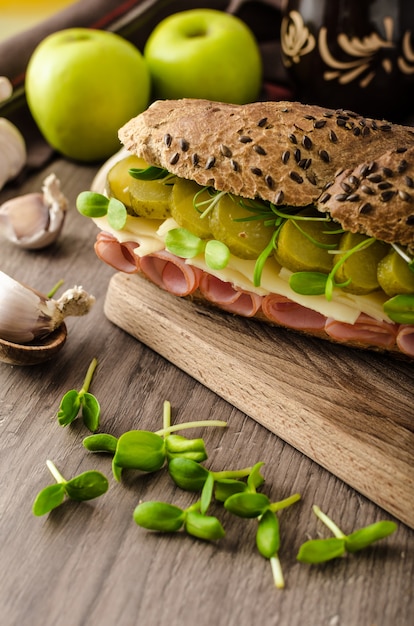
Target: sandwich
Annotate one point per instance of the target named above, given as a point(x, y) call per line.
point(293, 214)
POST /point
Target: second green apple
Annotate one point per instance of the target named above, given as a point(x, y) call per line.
point(204, 53)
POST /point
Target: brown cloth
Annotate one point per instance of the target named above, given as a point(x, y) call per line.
point(134, 20)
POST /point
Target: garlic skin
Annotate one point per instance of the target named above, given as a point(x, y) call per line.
point(35, 220)
point(26, 315)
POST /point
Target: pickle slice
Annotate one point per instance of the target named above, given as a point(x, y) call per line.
point(394, 275)
point(245, 239)
point(360, 267)
point(144, 198)
point(298, 252)
point(184, 211)
point(118, 179)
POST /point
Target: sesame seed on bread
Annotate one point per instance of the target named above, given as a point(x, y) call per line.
point(283, 152)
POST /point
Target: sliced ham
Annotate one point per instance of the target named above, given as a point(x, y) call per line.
point(229, 298)
point(365, 331)
point(171, 273)
point(116, 254)
point(405, 339)
point(281, 310)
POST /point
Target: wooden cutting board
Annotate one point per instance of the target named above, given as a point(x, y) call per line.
point(351, 411)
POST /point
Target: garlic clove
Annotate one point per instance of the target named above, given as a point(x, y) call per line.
point(13, 150)
point(6, 88)
point(26, 315)
point(34, 220)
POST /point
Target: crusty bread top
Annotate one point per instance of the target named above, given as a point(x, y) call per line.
point(284, 152)
point(376, 198)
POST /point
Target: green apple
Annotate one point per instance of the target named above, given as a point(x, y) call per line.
point(204, 53)
point(82, 85)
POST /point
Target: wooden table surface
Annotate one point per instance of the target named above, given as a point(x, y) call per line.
point(89, 563)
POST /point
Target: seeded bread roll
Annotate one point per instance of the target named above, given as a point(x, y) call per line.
point(283, 152)
point(376, 198)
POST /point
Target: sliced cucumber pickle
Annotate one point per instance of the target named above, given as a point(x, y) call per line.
point(245, 239)
point(143, 198)
point(299, 252)
point(183, 210)
point(118, 179)
point(361, 266)
point(394, 275)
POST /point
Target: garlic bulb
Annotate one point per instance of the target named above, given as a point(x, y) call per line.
point(35, 220)
point(13, 153)
point(26, 315)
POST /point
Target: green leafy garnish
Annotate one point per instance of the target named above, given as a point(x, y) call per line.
point(216, 254)
point(74, 401)
point(148, 451)
point(166, 517)
point(85, 486)
point(192, 476)
point(322, 550)
point(149, 173)
point(400, 309)
point(252, 505)
point(317, 283)
point(183, 243)
point(91, 204)
point(204, 207)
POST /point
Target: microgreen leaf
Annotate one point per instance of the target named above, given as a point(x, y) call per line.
point(92, 204)
point(159, 516)
point(216, 254)
point(85, 486)
point(188, 474)
point(362, 538)
point(207, 493)
point(48, 499)
point(178, 446)
point(267, 534)
point(148, 173)
point(248, 505)
point(69, 407)
point(321, 550)
point(166, 517)
point(100, 443)
point(203, 526)
point(226, 487)
point(255, 478)
point(90, 411)
point(181, 242)
point(73, 401)
point(400, 309)
point(308, 283)
point(117, 214)
point(140, 450)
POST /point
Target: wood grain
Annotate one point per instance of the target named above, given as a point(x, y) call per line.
point(350, 411)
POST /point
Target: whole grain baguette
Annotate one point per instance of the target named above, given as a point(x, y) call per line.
point(284, 152)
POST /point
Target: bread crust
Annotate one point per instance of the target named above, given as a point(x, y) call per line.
point(283, 152)
point(376, 198)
